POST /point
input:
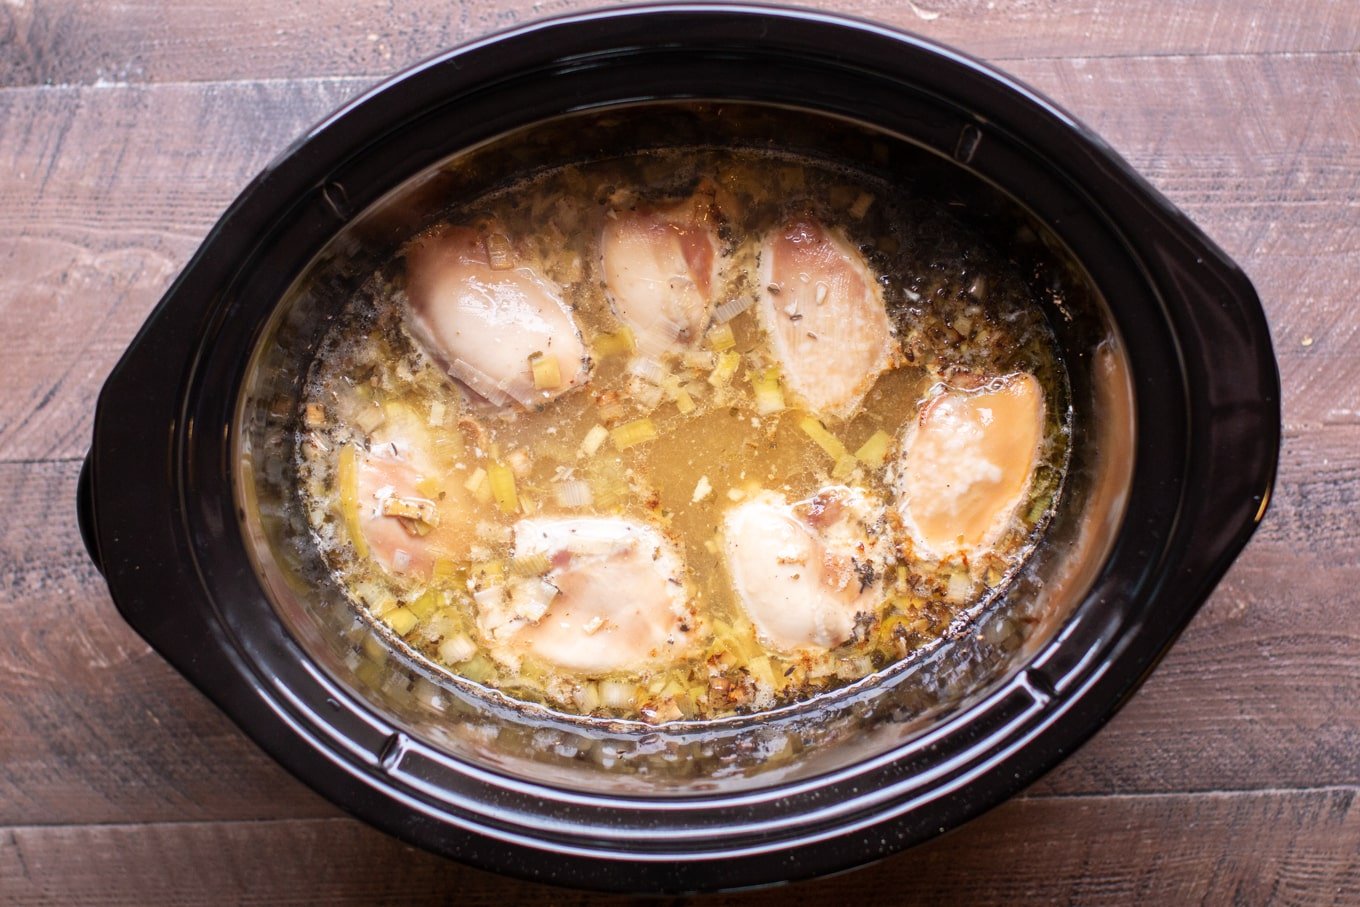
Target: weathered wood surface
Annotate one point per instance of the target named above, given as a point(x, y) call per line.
point(73, 42)
point(1236, 848)
point(98, 210)
point(1230, 777)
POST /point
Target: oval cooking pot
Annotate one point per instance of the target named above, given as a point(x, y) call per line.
point(158, 497)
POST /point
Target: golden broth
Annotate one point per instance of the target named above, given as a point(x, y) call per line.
point(958, 312)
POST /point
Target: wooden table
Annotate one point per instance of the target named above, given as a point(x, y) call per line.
point(125, 129)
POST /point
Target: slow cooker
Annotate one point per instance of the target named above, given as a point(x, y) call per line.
point(184, 502)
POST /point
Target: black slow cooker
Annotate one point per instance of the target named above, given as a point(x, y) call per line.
point(184, 500)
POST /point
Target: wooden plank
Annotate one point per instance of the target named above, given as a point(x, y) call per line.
point(70, 42)
point(95, 724)
point(1266, 159)
point(1259, 693)
point(104, 194)
point(1288, 848)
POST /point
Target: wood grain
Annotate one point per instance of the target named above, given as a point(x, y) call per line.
point(99, 209)
point(69, 42)
point(96, 727)
point(126, 129)
point(1177, 849)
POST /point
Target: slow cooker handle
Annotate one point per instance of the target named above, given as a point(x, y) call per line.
point(85, 512)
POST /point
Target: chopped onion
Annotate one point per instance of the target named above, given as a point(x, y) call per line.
point(593, 439)
point(457, 649)
point(531, 599)
point(732, 308)
point(699, 360)
point(370, 418)
point(647, 369)
point(498, 252)
point(489, 597)
point(646, 395)
point(479, 486)
point(615, 694)
point(861, 205)
point(960, 586)
point(519, 462)
point(575, 493)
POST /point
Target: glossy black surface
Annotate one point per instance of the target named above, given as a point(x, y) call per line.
point(158, 513)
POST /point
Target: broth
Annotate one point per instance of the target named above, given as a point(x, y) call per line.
point(666, 446)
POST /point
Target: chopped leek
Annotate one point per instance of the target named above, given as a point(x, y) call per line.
point(762, 671)
point(631, 434)
point(499, 254)
point(875, 450)
point(769, 395)
point(721, 338)
point(547, 373)
point(726, 368)
point(676, 391)
point(348, 479)
point(619, 343)
point(825, 439)
point(425, 605)
point(861, 205)
point(401, 620)
point(502, 481)
point(479, 485)
point(535, 564)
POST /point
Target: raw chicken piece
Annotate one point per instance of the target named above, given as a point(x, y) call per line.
point(483, 323)
point(966, 463)
point(662, 267)
point(804, 571)
point(609, 597)
point(402, 515)
point(825, 316)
